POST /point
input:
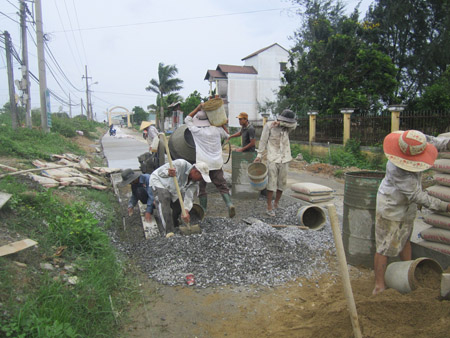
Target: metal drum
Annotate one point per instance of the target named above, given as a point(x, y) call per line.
point(360, 196)
point(182, 145)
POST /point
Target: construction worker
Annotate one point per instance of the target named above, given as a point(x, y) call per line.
point(247, 132)
point(166, 195)
point(149, 132)
point(208, 149)
point(275, 140)
point(409, 153)
point(140, 191)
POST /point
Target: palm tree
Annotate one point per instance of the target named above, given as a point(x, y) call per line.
point(165, 84)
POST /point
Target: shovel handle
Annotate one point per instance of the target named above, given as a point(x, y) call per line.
point(344, 270)
point(166, 144)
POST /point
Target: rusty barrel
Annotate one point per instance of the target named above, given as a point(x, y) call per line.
point(358, 231)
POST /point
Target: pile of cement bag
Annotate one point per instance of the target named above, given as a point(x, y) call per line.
point(437, 237)
point(312, 192)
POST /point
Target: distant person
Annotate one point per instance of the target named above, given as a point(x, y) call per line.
point(409, 153)
point(208, 149)
point(152, 134)
point(140, 191)
point(275, 140)
point(247, 132)
point(165, 192)
point(112, 131)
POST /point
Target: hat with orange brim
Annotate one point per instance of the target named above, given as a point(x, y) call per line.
point(409, 150)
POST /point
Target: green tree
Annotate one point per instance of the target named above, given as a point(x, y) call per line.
point(416, 36)
point(139, 114)
point(192, 101)
point(167, 83)
point(437, 96)
point(333, 67)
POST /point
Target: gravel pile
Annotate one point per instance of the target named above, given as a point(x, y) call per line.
point(237, 253)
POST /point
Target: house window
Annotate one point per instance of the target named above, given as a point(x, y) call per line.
point(283, 66)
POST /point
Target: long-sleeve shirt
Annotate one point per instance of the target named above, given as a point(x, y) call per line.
point(400, 191)
point(160, 179)
point(208, 143)
point(144, 180)
point(151, 134)
point(275, 140)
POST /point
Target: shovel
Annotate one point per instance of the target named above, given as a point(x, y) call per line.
point(187, 229)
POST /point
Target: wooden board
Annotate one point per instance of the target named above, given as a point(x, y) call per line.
point(4, 197)
point(150, 228)
point(16, 246)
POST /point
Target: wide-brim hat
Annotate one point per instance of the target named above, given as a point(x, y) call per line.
point(201, 119)
point(128, 176)
point(409, 150)
point(145, 124)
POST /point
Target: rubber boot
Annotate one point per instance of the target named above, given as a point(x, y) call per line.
point(230, 206)
point(203, 202)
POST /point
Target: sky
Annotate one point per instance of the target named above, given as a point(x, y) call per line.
point(122, 43)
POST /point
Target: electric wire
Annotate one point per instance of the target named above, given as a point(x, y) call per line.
point(10, 18)
point(67, 40)
point(181, 19)
point(79, 32)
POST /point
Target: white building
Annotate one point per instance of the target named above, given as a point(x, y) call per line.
point(258, 81)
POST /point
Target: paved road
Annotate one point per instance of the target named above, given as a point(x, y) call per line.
point(122, 150)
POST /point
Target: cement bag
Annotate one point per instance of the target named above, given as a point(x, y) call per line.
point(444, 248)
point(444, 154)
point(313, 199)
point(442, 179)
point(311, 189)
point(442, 165)
point(439, 191)
point(436, 235)
point(437, 220)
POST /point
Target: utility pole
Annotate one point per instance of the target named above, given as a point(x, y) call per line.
point(45, 120)
point(81, 105)
point(88, 112)
point(70, 107)
point(12, 98)
point(26, 99)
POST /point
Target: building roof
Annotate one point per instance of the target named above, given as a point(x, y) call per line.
point(215, 74)
point(222, 70)
point(262, 50)
point(237, 69)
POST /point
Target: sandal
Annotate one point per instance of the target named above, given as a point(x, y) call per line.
point(270, 213)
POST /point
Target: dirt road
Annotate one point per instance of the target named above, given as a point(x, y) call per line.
point(314, 307)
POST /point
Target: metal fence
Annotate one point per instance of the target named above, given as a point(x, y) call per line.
point(371, 129)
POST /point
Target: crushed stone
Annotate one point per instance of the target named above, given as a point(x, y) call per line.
point(232, 252)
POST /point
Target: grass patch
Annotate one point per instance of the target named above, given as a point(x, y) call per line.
point(348, 156)
point(43, 303)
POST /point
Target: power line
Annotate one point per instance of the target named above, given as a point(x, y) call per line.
point(126, 94)
point(181, 19)
point(79, 32)
point(67, 39)
point(10, 18)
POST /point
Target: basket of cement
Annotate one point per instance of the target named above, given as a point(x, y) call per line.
point(215, 111)
point(257, 172)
